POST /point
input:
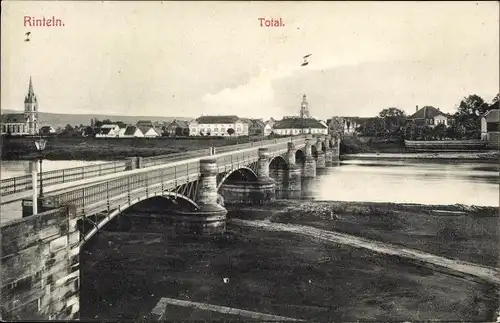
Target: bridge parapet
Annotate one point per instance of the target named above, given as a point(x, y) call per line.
point(39, 267)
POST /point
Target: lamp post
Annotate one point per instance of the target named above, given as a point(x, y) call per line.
point(40, 146)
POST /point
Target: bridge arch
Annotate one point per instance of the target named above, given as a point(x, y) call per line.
point(98, 226)
point(300, 156)
point(278, 162)
point(242, 173)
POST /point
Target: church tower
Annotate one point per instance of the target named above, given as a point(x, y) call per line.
point(31, 110)
point(304, 110)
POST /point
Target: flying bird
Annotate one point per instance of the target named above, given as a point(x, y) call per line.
point(305, 60)
point(27, 36)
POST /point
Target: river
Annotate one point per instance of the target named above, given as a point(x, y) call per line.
point(407, 181)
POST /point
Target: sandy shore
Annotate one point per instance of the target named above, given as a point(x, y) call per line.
point(479, 155)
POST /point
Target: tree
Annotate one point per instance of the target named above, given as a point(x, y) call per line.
point(178, 131)
point(230, 131)
point(468, 115)
point(68, 127)
point(391, 112)
point(440, 131)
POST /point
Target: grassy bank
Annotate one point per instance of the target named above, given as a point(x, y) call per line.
point(454, 231)
point(356, 145)
point(107, 148)
point(124, 274)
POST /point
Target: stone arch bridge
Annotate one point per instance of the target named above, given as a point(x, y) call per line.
point(47, 245)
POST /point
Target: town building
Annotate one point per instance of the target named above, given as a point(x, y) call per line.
point(255, 126)
point(47, 130)
point(130, 132)
point(296, 126)
point(268, 126)
point(304, 109)
point(148, 128)
point(108, 131)
point(177, 128)
point(490, 128)
point(23, 123)
point(345, 125)
point(218, 126)
point(303, 124)
point(430, 116)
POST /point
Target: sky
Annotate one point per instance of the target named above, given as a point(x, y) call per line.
point(209, 58)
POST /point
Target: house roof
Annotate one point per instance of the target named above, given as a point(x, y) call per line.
point(109, 126)
point(145, 129)
point(430, 112)
point(105, 131)
point(130, 130)
point(492, 115)
point(299, 123)
point(13, 118)
point(178, 123)
point(217, 119)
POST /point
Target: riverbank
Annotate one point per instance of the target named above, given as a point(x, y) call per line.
point(125, 274)
point(380, 148)
point(466, 156)
point(459, 232)
point(80, 148)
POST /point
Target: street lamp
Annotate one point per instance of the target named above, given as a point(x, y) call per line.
point(40, 146)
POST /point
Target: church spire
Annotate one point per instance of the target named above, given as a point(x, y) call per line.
point(30, 98)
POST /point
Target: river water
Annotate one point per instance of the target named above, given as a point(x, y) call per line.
point(407, 181)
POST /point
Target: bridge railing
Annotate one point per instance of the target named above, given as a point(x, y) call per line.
point(23, 183)
point(104, 194)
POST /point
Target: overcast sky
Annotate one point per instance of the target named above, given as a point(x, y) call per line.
point(188, 59)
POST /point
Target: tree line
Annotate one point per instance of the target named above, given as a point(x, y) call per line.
point(465, 123)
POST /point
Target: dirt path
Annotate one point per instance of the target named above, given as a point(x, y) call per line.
point(490, 274)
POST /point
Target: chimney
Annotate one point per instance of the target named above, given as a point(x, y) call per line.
point(416, 108)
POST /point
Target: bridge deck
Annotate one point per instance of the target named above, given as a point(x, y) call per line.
point(79, 184)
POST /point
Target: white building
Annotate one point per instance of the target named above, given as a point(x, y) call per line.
point(148, 129)
point(218, 126)
point(296, 125)
point(108, 131)
point(130, 132)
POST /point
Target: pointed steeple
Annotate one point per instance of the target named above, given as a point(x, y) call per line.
point(30, 97)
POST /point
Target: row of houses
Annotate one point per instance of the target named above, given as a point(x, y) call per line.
point(221, 126)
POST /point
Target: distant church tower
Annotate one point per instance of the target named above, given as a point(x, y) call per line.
point(31, 110)
point(304, 110)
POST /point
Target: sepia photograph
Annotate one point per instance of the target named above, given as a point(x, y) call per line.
point(314, 161)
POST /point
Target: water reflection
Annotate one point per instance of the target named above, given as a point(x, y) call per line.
point(423, 182)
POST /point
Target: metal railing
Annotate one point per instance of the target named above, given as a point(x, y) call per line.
point(23, 183)
point(126, 189)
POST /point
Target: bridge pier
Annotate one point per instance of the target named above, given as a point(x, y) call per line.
point(336, 148)
point(260, 191)
point(211, 216)
point(310, 163)
point(294, 171)
point(328, 152)
point(321, 160)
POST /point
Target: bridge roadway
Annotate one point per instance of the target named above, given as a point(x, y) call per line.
point(169, 159)
point(78, 184)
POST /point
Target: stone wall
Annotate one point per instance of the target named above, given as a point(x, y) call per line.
point(40, 267)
